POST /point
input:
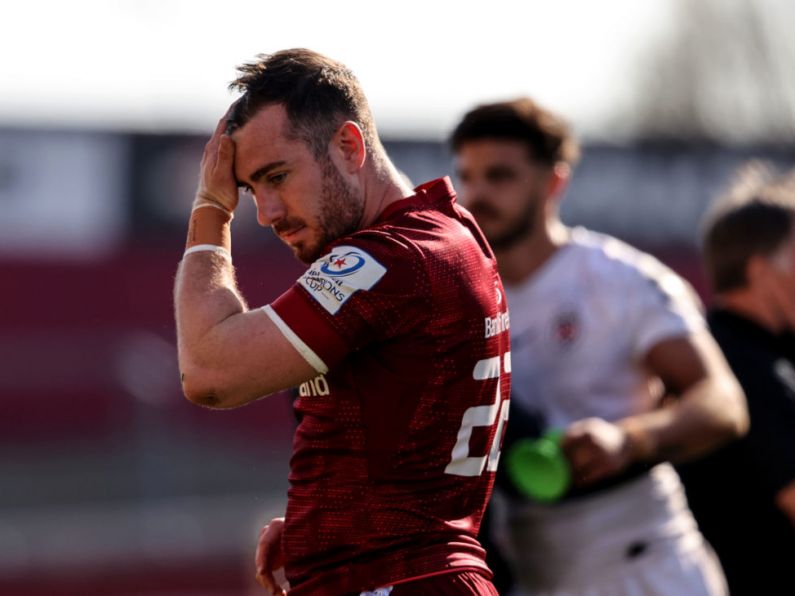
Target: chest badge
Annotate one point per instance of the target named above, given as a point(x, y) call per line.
point(566, 328)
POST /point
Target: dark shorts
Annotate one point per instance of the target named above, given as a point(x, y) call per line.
point(460, 583)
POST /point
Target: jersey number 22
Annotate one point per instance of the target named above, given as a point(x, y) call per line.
point(461, 463)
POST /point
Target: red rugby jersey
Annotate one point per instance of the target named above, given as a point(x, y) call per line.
point(393, 458)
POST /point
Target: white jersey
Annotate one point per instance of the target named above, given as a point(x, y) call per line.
point(580, 329)
point(581, 326)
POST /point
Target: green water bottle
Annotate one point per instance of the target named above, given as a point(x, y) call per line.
point(538, 467)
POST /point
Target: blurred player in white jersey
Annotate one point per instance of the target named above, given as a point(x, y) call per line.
point(600, 333)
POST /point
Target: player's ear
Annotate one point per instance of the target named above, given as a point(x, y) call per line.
point(349, 145)
point(558, 179)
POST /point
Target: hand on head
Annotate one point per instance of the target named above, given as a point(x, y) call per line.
point(217, 183)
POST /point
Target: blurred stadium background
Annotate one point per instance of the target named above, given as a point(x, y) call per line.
point(110, 482)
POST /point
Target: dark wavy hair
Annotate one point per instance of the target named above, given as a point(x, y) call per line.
point(318, 93)
point(546, 135)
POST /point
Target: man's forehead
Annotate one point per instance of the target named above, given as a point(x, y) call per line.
point(491, 152)
point(265, 139)
point(270, 120)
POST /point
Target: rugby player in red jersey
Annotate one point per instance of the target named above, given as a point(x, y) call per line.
point(396, 335)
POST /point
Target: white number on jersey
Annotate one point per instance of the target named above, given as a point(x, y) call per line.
point(461, 464)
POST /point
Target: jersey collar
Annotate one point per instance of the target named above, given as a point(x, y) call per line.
point(431, 192)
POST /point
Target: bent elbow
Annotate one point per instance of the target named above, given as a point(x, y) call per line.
point(199, 388)
point(201, 395)
point(736, 421)
point(211, 388)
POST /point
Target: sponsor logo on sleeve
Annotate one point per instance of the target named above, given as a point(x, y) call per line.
point(497, 324)
point(334, 278)
point(315, 387)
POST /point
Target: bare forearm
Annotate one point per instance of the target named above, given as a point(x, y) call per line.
point(709, 414)
point(205, 294)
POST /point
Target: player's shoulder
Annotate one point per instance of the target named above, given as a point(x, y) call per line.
point(374, 255)
point(422, 234)
point(621, 264)
point(388, 243)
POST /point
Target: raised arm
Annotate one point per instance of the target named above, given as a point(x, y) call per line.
point(228, 355)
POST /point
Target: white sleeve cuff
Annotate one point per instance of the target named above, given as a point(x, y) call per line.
point(309, 355)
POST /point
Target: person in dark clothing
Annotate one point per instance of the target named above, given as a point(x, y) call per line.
point(743, 496)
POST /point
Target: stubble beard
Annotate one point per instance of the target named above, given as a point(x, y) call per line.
point(341, 211)
point(518, 229)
